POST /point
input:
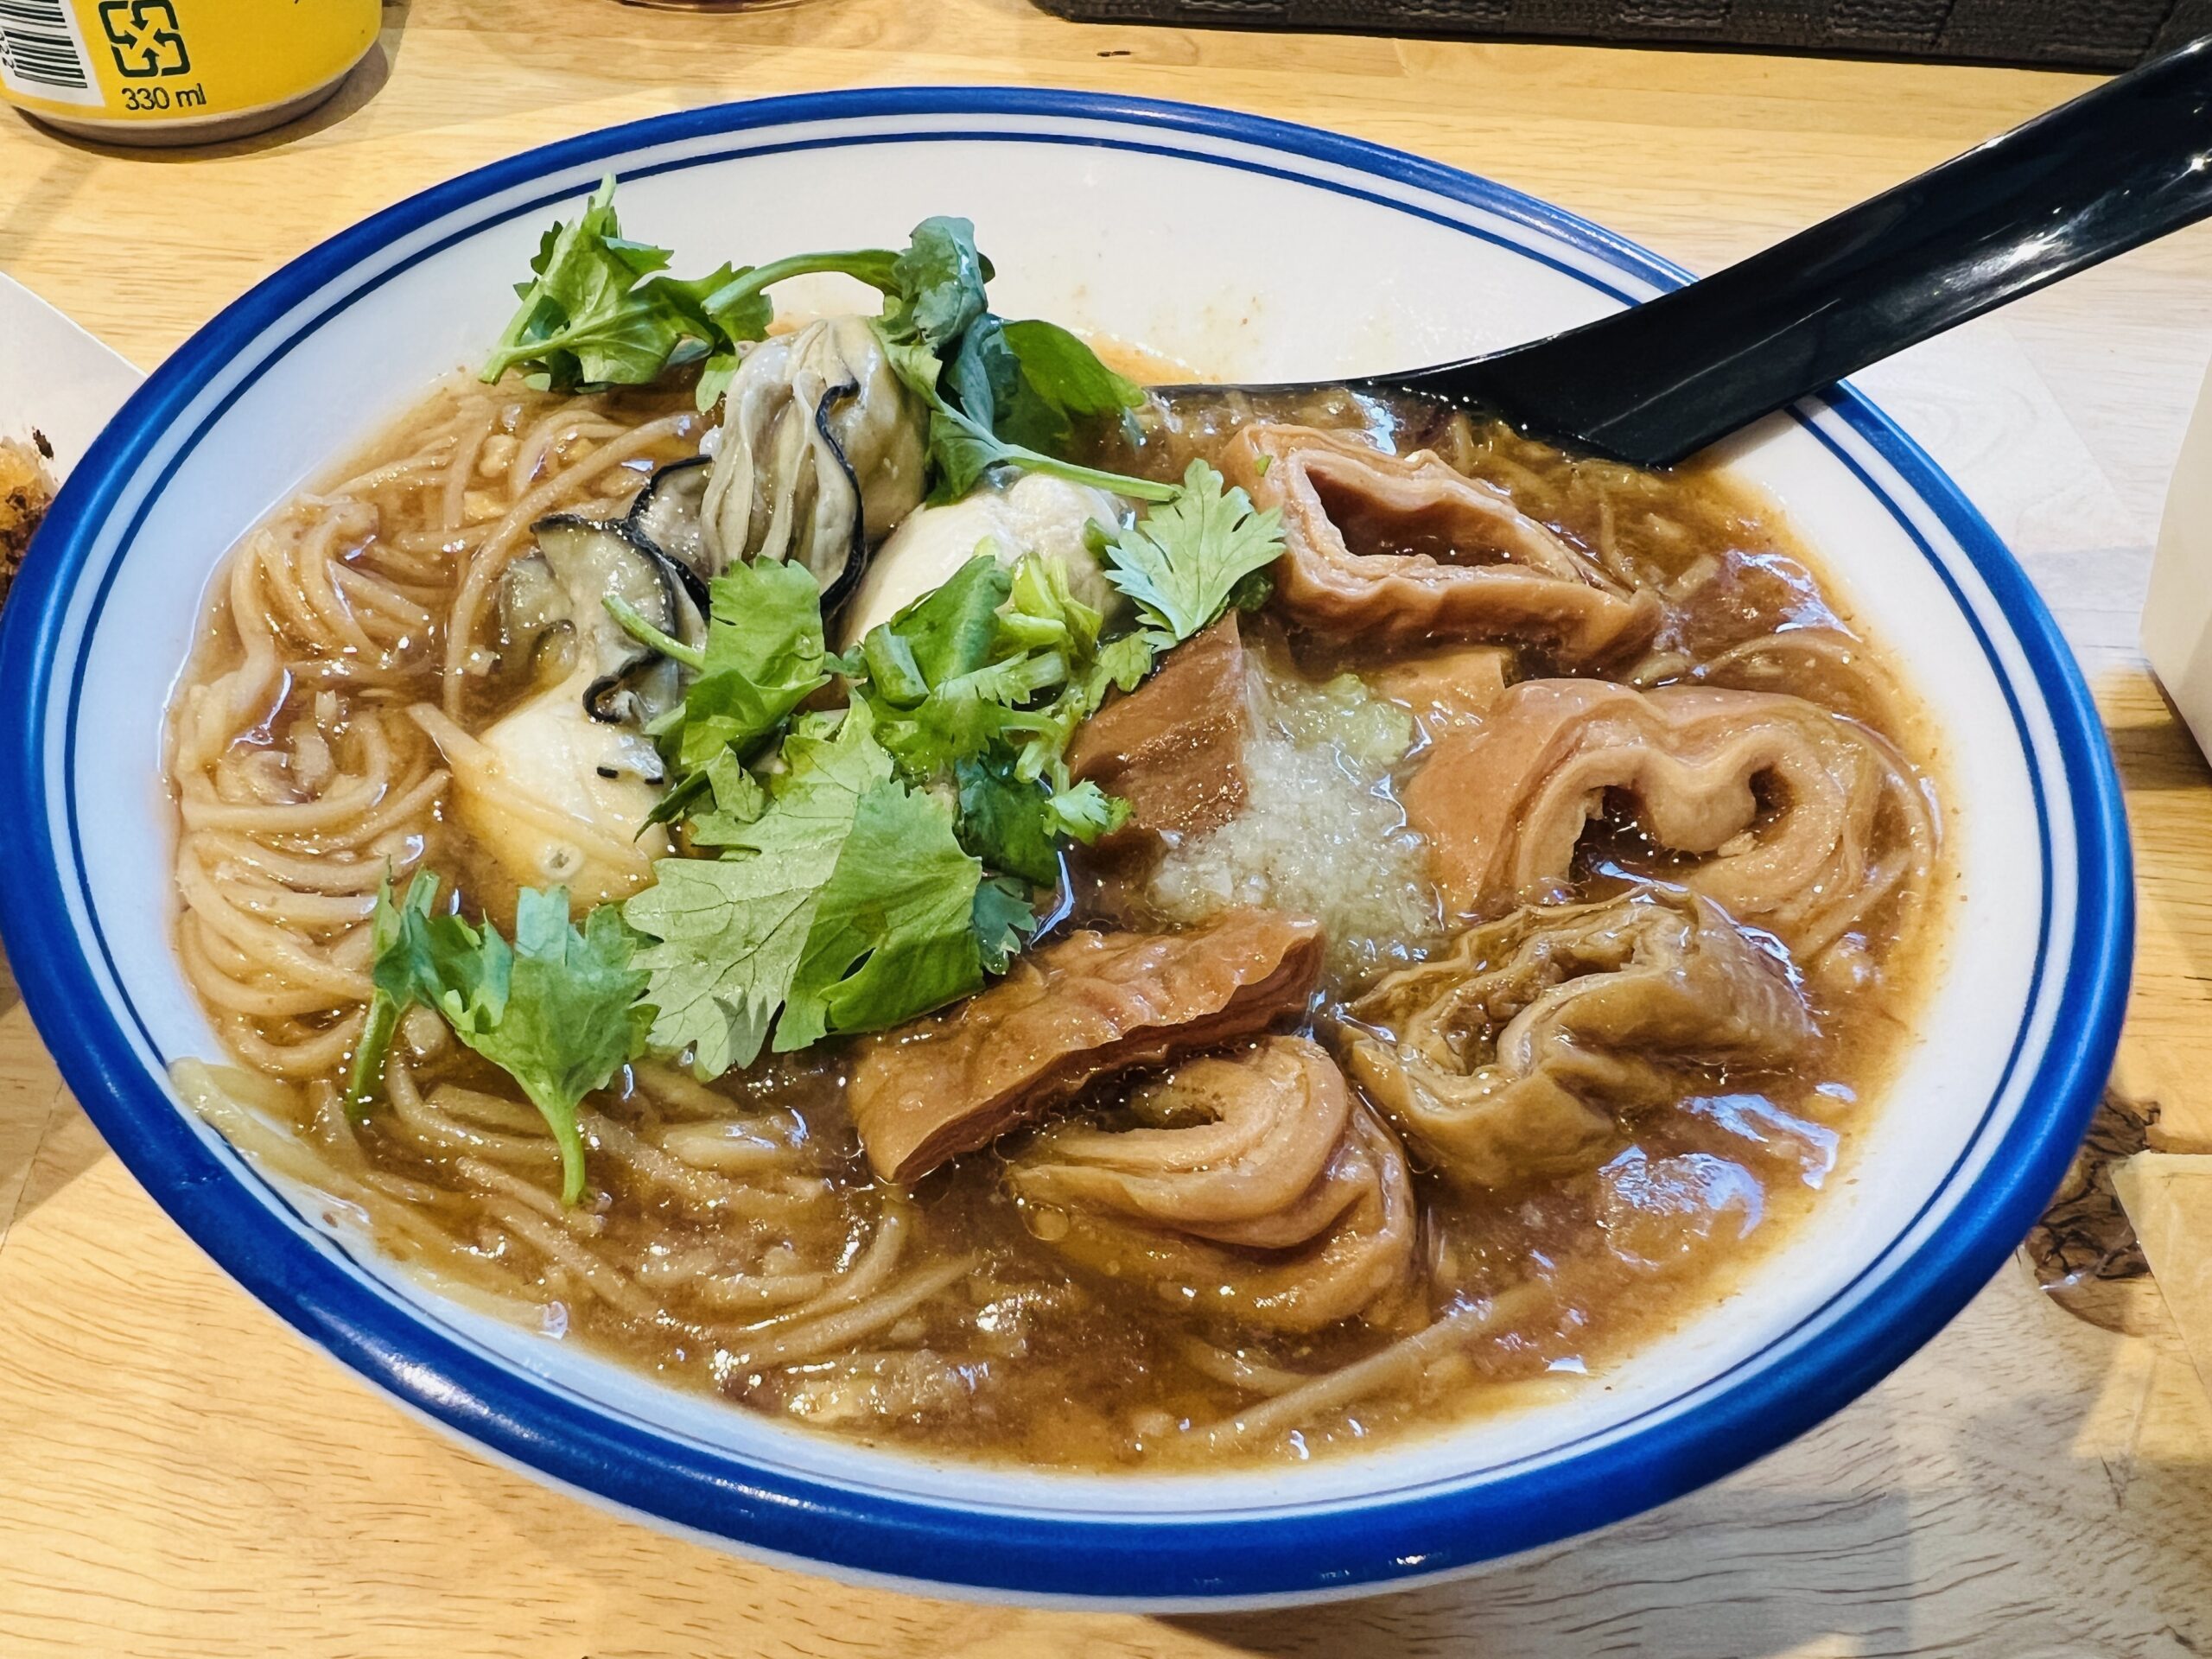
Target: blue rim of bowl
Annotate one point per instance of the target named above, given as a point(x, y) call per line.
point(1188, 1560)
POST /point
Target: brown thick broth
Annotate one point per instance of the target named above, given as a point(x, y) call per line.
point(1022, 1359)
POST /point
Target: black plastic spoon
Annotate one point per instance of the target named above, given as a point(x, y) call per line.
point(2108, 172)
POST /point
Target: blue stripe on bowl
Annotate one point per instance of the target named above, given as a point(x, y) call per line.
point(1187, 1559)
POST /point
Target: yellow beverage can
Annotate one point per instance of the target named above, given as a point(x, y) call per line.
point(177, 72)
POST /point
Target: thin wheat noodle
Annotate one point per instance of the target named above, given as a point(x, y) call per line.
point(678, 1089)
point(803, 1342)
point(208, 1091)
point(1392, 1367)
point(1236, 1370)
point(491, 1178)
point(555, 433)
point(456, 494)
point(877, 1263)
point(301, 872)
point(292, 1054)
point(282, 950)
point(430, 1125)
point(695, 1188)
point(738, 1293)
point(487, 1111)
point(604, 1282)
point(727, 1148)
point(220, 983)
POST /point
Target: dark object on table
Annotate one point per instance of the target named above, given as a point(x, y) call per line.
point(2084, 34)
point(2084, 1252)
point(26, 491)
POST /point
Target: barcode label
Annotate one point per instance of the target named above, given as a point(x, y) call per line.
point(41, 54)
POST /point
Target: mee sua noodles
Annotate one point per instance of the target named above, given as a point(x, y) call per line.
point(872, 866)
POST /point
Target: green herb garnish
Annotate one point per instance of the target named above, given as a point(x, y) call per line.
point(558, 1011)
point(764, 655)
point(1183, 563)
point(847, 903)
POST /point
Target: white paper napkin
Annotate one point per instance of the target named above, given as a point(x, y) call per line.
point(2178, 613)
point(55, 377)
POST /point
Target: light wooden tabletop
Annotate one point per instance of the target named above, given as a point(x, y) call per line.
point(180, 1475)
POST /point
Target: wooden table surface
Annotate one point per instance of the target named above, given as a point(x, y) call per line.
point(180, 1476)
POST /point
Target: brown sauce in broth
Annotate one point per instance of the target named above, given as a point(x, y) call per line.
point(690, 1268)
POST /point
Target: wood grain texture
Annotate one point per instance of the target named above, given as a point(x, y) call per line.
point(180, 1476)
point(2169, 1196)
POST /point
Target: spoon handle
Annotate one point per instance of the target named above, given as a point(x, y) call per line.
point(2114, 169)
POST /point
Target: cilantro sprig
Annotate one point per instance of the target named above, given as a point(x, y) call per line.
point(558, 1010)
point(1184, 562)
point(600, 310)
point(764, 655)
point(842, 902)
point(881, 865)
point(985, 679)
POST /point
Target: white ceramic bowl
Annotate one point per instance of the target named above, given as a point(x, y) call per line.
point(1263, 252)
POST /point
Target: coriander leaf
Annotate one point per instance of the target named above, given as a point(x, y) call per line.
point(948, 673)
point(937, 283)
point(912, 361)
point(766, 623)
point(1182, 560)
point(1002, 819)
point(1066, 373)
point(763, 657)
point(681, 798)
point(402, 966)
point(726, 934)
point(591, 316)
point(961, 715)
point(559, 1013)
point(960, 453)
point(894, 676)
point(739, 801)
point(893, 933)
point(741, 308)
point(962, 450)
point(600, 311)
point(740, 303)
point(950, 630)
point(715, 376)
point(1251, 591)
point(1004, 921)
point(1120, 664)
point(1042, 610)
point(992, 387)
point(983, 377)
point(1086, 811)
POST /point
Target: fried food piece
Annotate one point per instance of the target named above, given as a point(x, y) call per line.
point(26, 491)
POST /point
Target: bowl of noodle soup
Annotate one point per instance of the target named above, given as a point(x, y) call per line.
point(204, 825)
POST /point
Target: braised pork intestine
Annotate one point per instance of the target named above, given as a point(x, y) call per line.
point(1845, 826)
point(1400, 550)
point(1517, 1054)
point(1257, 1188)
point(1087, 1006)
